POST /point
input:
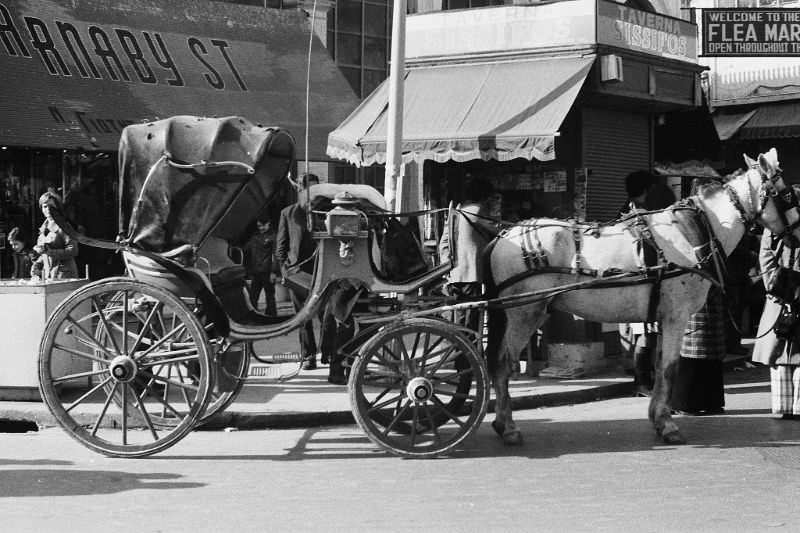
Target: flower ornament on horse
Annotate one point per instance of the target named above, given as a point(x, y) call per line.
point(649, 266)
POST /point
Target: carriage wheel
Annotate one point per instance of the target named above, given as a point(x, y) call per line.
point(230, 375)
point(112, 367)
point(229, 381)
point(407, 388)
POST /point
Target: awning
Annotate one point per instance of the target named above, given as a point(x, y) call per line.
point(772, 121)
point(728, 125)
point(500, 110)
point(121, 62)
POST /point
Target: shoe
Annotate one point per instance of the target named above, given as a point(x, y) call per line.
point(323, 358)
point(309, 363)
point(787, 416)
point(686, 413)
point(337, 379)
point(717, 411)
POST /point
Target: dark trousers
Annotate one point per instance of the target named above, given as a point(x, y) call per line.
point(261, 282)
point(698, 385)
point(308, 346)
point(465, 291)
point(333, 336)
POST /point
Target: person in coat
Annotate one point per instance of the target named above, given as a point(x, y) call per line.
point(781, 354)
point(259, 265)
point(294, 248)
point(472, 231)
point(23, 253)
point(56, 249)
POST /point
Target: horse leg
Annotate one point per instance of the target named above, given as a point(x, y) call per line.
point(520, 324)
point(659, 411)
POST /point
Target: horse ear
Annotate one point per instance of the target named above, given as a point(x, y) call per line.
point(768, 162)
point(751, 163)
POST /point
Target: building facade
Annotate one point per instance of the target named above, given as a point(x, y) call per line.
point(76, 73)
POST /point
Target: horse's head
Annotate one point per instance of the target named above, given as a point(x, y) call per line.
point(772, 203)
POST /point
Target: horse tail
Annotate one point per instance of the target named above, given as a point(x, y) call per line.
point(495, 317)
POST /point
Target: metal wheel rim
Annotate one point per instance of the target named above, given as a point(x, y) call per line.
point(382, 383)
point(154, 332)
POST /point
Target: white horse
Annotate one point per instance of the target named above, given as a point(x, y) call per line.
point(539, 257)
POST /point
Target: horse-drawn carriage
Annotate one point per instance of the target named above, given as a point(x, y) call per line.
point(130, 365)
point(168, 346)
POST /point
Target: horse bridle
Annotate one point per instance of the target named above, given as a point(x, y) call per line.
point(771, 188)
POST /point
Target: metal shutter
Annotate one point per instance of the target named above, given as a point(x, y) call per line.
point(615, 143)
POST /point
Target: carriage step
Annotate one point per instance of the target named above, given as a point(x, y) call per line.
point(273, 372)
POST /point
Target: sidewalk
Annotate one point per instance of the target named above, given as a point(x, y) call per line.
point(308, 400)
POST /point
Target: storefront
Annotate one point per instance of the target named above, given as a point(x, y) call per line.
point(554, 103)
point(75, 74)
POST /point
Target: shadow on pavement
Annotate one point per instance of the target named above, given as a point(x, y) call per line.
point(33, 483)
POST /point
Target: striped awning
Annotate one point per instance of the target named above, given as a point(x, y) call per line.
point(498, 110)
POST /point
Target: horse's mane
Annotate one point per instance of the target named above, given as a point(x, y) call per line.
point(705, 189)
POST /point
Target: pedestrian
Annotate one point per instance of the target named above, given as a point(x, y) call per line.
point(640, 339)
point(698, 387)
point(778, 337)
point(23, 254)
point(637, 183)
point(472, 230)
point(56, 249)
point(260, 266)
point(294, 251)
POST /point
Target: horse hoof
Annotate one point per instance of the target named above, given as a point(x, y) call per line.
point(673, 437)
point(513, 438)
point(499, 427)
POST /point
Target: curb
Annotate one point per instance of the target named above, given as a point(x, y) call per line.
point(248, 421)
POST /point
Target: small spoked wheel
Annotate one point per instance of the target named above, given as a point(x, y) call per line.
point(419, 388)
point(125, 368)
point(231, 374)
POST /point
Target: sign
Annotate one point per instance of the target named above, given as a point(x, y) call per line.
point(751, 32)
point(555, 181)
point(74, 74)
point(580, 192)
point(642, 31)
point(500, 29)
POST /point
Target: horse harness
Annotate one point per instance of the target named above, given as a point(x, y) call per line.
point(687, 216)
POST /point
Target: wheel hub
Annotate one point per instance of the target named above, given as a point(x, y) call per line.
point(419, 390)
point(123, 369)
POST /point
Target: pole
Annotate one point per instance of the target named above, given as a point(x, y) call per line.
point(394, 135)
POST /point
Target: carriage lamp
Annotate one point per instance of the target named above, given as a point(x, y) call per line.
point(342, 220)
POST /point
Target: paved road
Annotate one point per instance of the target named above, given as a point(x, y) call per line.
point(589, 467)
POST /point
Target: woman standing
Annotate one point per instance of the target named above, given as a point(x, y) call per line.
point(56, 249)
point(698, 388)
point(775, 346)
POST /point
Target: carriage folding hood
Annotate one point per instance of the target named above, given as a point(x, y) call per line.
point(167, 207)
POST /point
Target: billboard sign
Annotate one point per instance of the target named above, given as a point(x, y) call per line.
point(751, 32)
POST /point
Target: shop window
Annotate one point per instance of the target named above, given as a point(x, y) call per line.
point(348, 16)
point(374, 53)
point(375, 19)
point(348, 49)
point(372, 79)
point(353, 77)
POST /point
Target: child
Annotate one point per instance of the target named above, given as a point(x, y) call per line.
point(259, 266)
point(23, 253)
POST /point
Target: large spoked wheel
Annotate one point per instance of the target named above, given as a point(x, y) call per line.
point(419, 388)
point(114, 367)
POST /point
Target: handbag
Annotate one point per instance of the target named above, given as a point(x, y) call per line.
point(786, 286)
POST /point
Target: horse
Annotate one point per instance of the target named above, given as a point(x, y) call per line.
point(601, 273)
